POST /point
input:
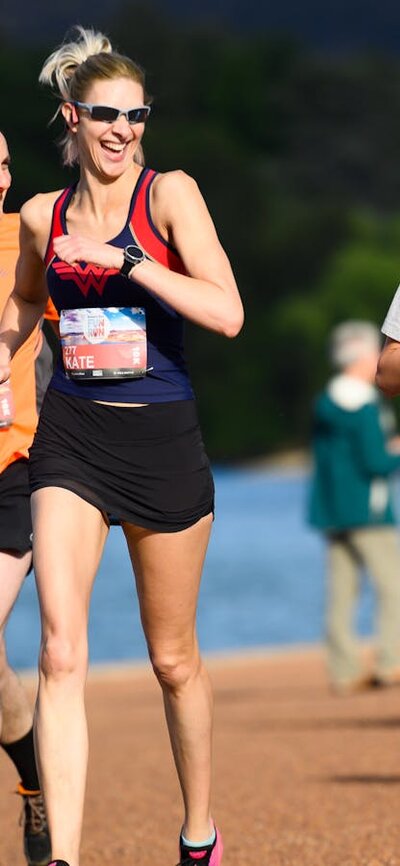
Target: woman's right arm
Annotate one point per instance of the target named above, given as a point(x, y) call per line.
point(27, 301)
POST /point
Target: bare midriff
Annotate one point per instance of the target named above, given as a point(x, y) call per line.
point(130, 405)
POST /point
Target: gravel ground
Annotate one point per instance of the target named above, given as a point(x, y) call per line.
point(302, 777)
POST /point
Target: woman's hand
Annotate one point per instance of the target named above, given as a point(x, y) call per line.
point(393, 445)
point(76, 248)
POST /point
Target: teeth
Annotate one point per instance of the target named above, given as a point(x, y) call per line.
point(117, 148)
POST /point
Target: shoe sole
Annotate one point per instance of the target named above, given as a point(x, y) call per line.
point(216, 856)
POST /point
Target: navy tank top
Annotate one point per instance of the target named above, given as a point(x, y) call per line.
point(88, 286)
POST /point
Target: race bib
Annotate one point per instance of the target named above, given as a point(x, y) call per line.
point(108, 343)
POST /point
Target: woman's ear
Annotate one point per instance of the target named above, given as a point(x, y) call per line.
point(70, 115)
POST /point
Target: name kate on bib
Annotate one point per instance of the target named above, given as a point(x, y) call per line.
point(104, 343)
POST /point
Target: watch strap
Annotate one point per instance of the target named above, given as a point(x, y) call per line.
point(126, 268)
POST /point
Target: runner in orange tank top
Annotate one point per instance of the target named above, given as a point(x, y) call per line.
point(15, 537)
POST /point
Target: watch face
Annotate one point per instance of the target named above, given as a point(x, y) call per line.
point(133, 253)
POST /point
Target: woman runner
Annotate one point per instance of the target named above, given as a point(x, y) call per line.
point(126, 255)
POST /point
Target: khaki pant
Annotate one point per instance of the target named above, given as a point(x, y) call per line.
point(377, 550)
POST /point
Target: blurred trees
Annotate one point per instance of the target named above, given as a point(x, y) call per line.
point(297, 157)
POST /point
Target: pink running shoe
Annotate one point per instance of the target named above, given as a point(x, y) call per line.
point(206, 855)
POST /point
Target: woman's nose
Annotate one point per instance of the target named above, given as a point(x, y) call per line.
point(121, 124)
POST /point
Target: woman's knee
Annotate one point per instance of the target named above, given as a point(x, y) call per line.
point(61, 656)
point(174, 670)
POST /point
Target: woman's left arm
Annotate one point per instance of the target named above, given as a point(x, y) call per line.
point(208, 294)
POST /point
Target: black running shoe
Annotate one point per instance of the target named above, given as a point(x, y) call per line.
point(204, 855)
point(37, 848)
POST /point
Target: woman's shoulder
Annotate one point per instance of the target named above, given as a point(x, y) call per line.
point(173, 182)
point(173, 194)
point(39, 209)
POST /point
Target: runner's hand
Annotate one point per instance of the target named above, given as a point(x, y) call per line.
point(393, 445)
point(5, 369)
point(76, 248)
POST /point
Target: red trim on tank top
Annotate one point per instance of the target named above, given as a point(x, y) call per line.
point(139, 221)
point(146, 233)
point(56, 227)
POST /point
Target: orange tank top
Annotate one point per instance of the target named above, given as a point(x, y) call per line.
point(16, 440)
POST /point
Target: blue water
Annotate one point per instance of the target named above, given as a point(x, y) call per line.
point(263, 582)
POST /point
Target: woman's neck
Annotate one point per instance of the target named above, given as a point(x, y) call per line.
point(98, 196)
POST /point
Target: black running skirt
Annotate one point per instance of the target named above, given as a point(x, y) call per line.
point(138, 464)
point(15, 508)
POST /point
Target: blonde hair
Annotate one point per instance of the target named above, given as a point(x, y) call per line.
point(74, 66)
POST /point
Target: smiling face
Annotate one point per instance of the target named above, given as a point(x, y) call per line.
point(107, 149)
point(5, 175)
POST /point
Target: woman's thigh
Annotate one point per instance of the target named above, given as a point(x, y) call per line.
point(13, 570)
point(68, 541)
point(168, 569)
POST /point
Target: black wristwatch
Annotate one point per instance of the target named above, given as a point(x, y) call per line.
point(133, 256)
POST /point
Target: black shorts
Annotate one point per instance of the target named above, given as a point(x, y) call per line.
point(144, 465)
point(15, 510)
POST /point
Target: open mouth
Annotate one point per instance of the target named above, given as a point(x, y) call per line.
point(114, 147)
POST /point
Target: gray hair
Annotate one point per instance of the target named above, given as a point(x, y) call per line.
point(350, 340)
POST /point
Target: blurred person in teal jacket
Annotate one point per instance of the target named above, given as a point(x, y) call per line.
point(355, 453)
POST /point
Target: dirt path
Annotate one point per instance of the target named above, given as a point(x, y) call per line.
point(302, 778)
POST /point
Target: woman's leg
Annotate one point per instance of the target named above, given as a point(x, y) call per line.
point(379, 548)
point(15, 711)
point(68, 540)
point(168, 568)
point(344, 663)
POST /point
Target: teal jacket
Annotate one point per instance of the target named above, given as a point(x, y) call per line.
point(350, 481)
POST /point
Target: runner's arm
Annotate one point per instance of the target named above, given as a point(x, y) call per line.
point(207, 294)
point(27, 301)
point(388, 372)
